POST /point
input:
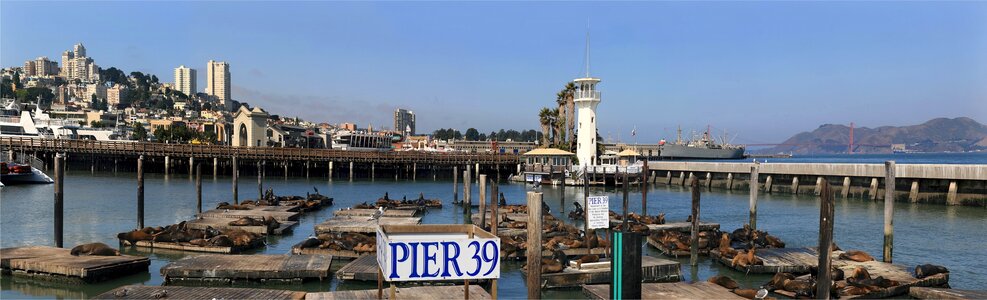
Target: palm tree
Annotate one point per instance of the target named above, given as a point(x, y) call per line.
point(570, 118)
point(558, 128)
point(545, 117)
point(560, 100)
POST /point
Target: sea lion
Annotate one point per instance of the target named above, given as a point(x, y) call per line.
point(773, 241)
point(859, 273)
point(246, 221)
point(801, 287)
point(856, 255)
point(926, 270)
point(310, 243)
point(94, 249)
point(592, 258)
point(199, 242)
point(746, 293)
point(724, 281)
point(133, 236)
point(221, 241)
point(240, 237)
point(778, 281)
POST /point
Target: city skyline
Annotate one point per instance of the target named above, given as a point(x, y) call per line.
point(661, 64)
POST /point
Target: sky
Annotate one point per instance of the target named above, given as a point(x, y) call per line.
point(761, 71)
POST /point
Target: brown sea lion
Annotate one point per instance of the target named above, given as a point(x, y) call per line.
point(724, 281)
point(240, 237)
point(778, 281)
point(926, 270)
point(133, 236)
point(592, 258)
point(199, 242)
point(859, 273)
point(94, 249)
point(856, 255)
point(221, 241)
point(774, 241)
point(801, 287)
point(746, 293)
point(310, 243)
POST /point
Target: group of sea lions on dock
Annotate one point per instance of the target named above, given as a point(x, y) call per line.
point(310, 201)
point(358, 242)
point(387, 202)
point(180, 233)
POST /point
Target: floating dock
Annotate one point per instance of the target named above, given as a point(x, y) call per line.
point(941, 293)
point(59, 263)
point(414, 293)
point(669, 252)
point(672, 290)
point(777, 260)
point(336, 254)
point(361, 224)
point(224, 224)
point(186, 292)
point(653, 269)
point(231, 269)
point(676, 226)
point(367, 212)
point(875, 268)
point(279, 213)
point(189, 247)
point(361, 269)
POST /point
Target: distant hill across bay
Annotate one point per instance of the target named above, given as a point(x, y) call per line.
point(937, 135)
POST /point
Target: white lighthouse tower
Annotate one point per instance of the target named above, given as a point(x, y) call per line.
point(586, 100)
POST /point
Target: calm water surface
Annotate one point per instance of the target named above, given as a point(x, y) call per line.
point(97, 206)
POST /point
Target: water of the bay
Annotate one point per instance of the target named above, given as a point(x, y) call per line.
point(99, 205)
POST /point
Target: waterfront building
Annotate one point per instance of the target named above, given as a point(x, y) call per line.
point(546, 165)
point(76, 65)
point(487, 146)
point(185, 80)
point(218, 81)
point(586, 99)
point(249, 127)
point(404, 121)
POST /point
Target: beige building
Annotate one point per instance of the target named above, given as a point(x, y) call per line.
point(185, 80)
point(218, 80)
point(76, 65)
point(95, 89)
point(41, 66)
point(115, 93)
point(250, 127)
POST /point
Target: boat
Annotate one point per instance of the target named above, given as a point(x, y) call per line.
point(704, 147)
point(14, 173)
point(15, 121)
point(361, 141)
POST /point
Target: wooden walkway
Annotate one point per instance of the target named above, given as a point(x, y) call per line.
point(224, 224)
point(777, 260)
point(653, 270)
point(361, 269)
point(367, 212)
point(941, 293)
point(361, 224)
point(229, 269)
point(58, 263)
point(279, 213)
point(186, 292)
point(189, 247)
point(672, 290)
point(412, 293)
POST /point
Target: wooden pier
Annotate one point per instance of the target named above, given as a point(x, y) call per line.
point(413, 293)
point(943, 293)
point(671, 290)
point(653, 270)
point(362, 269)
point(677, 226)
point(367, 212)
point(777, 260)
point(279, 213)
point(231, 269)
point(189, 247)
point(186, 292)
point(361, 224)
point(224, 224)
point(58, 263)
point(669, 252)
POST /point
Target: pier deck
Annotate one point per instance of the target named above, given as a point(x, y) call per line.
point(361, 224)
point(417, 292)
point(224, 224)
point(229, 269)
point(336, 254)
point(653, 270)
point(671, 290)
point(677, 226)
point(279, 213)
point(58, 263)
point(669, 252)
point(186, 292)
point(367, 212)
point(189, 247)
point(942, 293)
point(776, 260)
point(361, 269)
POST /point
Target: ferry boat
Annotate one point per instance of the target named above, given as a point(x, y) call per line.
point(17, 122)
point(704, 147)
point(361, 141)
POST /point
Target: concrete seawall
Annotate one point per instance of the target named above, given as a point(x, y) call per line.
point(922, 183)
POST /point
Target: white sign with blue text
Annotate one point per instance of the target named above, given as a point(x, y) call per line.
point(437, 256)
point(598, 212)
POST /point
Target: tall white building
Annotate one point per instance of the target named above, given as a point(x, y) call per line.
point(76, 65)
point(218, 80)
point(586, 100)
point(185, 80)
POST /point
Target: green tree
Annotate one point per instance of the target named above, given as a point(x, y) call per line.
point(33, 94)
point(546, 119)
point(472, 134)
point(140, 134)
point(6, 91)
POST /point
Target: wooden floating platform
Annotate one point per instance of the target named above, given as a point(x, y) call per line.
point(894, 272)
point(229, 269)
point(669, 252)
point(413, 293)
point(361, 269)
point(280, 213)
point(941, 293)
point(187, 292)
point(672, 290)
point(224, 224)
point(367, 212)
point(59, 263)
point(189, 247)
point(336, 254)
point(361, 224)
point(677, 226)
point(653, 269)
point(777, 260)
point(514, 217)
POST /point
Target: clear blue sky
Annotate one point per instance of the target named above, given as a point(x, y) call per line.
point(762, 70)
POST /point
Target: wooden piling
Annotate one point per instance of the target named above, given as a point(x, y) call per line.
point(330, 171)
point(694, 248)
point(167, 165)
point(494, 205)
point(198, 188)
point(795, 185)
point(951, 194)
point(826, 222)
point(215, 164)
point(59, 198)
point(889, 180)
point(140, 192)
point(818, 185)
point(455, 184)
point(846, 187)
point(236, 175)
point(729, 181)
point(373, 171)
point(260, 181)
point(913, 192)
point(644, 191)
point(483, 201)
point(873, 189)
point(755, 170)
point(468, 192)
point(191, 163)
point(414, 171)
point(768, 183)
point(286, 169)
point(585, 206)
point(534, 248)
point(351, 171)
point(709, 180)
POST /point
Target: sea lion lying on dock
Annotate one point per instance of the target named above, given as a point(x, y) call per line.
point(591, 258)
point(94, 249)
point(227, 205)
point(856, 255)
point(778, 281)
point(136, 235)
point(926, 270)
point(724, 281)
point(724, 247)
point(745, 259)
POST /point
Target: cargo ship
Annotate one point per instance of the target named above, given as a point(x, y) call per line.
point(704, 147)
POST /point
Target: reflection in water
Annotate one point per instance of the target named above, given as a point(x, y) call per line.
point(101, 205)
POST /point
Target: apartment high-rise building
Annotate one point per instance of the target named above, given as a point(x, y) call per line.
point(185, 80)
point(218, 80)
point(115, 93)
point(76, 65)
point(404, 121)
point(41, 66)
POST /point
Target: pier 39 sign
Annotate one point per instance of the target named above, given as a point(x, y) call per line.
point(437, 256)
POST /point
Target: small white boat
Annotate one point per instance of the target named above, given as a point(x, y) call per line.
point(13, 173)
